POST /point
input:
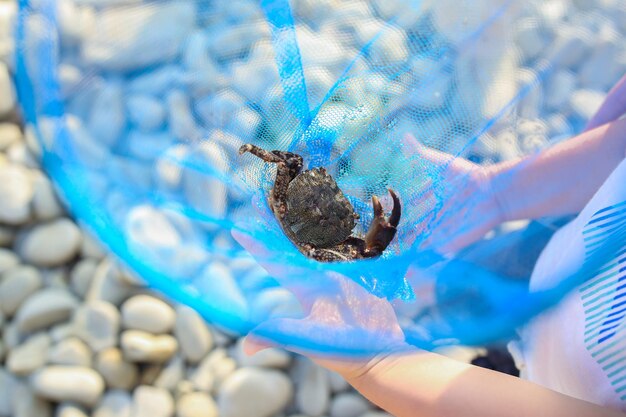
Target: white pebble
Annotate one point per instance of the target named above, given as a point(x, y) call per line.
point(90, 247)
point(106, 286)
point(254, 392)
point(70, 352)
point(27, 404)
point(44, 308)
point(7, 386)
point(8, 12)
point(108, 117)
point(148, 146)
point(46, 205)
point(192, 333)
point(182, 124)
point(313, 392)
point(81, 276)
point(560, 89)
point(585, 103)
point(196, 404)
point(573, 43)
point(8, 260)
point(141, 346)
point(218, 283)
point(70, 410)
point(337, 382)
point(16, 286)
point(97, 323)
point(152, 402)
point(16, 193)
point(51, 244)
point(171, 374)
point(152, 35)
point(116, 371)
point(156, 82)
point(147, 313)
point(10, 133)
point(348, 405)
point(145, 111)
point(68, 383)
point(30, 355)
point(7, 90)
point(115, 403)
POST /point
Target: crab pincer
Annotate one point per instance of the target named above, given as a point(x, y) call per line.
point(382, 230)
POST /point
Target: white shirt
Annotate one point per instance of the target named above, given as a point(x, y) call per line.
point(579, 347)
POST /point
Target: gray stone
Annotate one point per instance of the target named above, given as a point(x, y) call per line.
point(30, 355)
point(196, 404)
point(70, 410)
point(68, 383)
point(51, 244)
point(70, 352)
point(164, 24)
point(585, 103)
point(114, 403)
point(16, 194)
point(253, 392)
point(106, 286)
point(8, 260)
point(348, 405)
point(46, 205)
point(107, 119)
point(337, 382)
point(268, 358)
point(91, 247)
point(27, 404)
point(141, 346)
point(192, 333)
point(116, 371)
point(147, 313)
point(7, 388)
point(171, 374)
point(81, 276)
point(44, 308)
point(97, 323)
point(313, 391)
point(146, 112)
point(152, 402)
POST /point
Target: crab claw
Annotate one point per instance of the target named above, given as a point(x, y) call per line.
point(382, 230)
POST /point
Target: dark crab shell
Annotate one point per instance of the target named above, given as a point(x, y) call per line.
point(318, 212)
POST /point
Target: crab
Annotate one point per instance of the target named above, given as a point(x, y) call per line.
point(316, 215)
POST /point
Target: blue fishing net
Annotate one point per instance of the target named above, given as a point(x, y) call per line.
point(140, 108)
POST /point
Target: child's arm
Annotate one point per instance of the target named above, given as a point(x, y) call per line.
point(426, 384)
point(562, 179)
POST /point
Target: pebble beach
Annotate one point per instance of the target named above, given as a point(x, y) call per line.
point(81, 335)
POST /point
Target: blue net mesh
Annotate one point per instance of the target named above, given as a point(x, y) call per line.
point(140, 108)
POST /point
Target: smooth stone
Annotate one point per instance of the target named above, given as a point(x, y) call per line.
point(145, 112)
point(196, 404)
point(82, 275)
point(108, 114)
point(193, 334)
point(348, 405)
point(171, 374)
point(8, 13)
point(152, 402)
point(51, 244)
point(46, 205)
point(157, 35)
point(157, 82)
point(267, 358)
point(11, 335)
point(571, 46)
point(128, 169)
point(106, 286)
point(182, 124)
point(45, 308)
point(91, 247)
point(16, 286)
point(147, 313)
point(10, 133)
point(139, 346)
point(7, 90)
point(114, 403)
point(68, 383)
point(313, 391)
point(7, 387)
point(216, 111)
point(375, 414)
point(337, 382)
point(8, 260)
point(254, 392)
point(214, 369)
point(560, 89)
point(16, 194)
point(70, 352)
point(585, 103)
point(529, 38)
point(27, 404)
point(148, 146)
point(29, 356)
point(70, 410)
point(89, 151)
point(97, 323)
point(62, 331)
point(218, 284)
point(116, 371)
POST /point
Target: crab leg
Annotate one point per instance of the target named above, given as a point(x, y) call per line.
point(289, 166)
point(382, 230)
